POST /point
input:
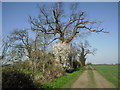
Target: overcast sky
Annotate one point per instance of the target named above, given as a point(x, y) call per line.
point(15, 15)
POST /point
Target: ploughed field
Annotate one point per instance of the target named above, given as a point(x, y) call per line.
point(110, 72)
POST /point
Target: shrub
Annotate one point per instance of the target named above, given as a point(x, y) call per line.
point(16, 79)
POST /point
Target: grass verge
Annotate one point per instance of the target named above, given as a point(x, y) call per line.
point(91, 77)
point(64, 81)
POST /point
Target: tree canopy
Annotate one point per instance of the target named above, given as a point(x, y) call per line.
point(65, 27)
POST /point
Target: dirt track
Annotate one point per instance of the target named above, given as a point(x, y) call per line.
point(94, 81)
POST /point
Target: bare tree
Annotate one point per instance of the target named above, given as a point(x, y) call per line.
point(83, 50)
point(20, 39)
point(34, 47)
point(40, 50)
point(5, 50)
point(63, 26)
point(54, 21)
point(6, 43)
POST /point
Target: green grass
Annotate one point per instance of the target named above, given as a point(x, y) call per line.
point(90, 73)
point(91, 77)
point(110, 72)
point(64, 81)
point(26, 72)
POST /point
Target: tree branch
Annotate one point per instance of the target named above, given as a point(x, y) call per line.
point(47, 20)
point(53, 40)
point(90, 29)
point(56, 17)
point(71, 22)
point(74, 20)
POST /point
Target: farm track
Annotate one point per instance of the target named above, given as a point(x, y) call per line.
point(90, 78)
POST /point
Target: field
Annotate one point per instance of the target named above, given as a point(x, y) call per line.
point(110, 72)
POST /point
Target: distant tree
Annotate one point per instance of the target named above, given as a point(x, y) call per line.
point(89, 63)
point(15, 54)
point(33, 47)
point(20, 38)
point(83, 50)
point(5, 50)
point(4, 47)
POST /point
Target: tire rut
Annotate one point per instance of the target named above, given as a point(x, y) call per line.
point(85, 80)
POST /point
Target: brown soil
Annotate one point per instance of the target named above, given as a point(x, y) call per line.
point(84, 81)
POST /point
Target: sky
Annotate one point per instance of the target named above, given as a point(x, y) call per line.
point(15, 16)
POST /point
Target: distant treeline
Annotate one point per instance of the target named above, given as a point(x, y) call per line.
point(106, 64)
